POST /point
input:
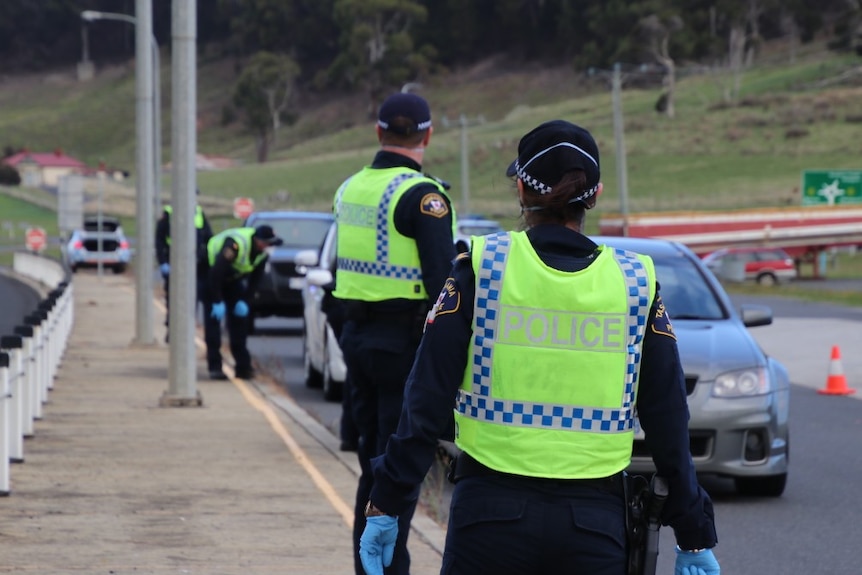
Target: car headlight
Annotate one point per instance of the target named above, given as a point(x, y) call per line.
point(741, 383)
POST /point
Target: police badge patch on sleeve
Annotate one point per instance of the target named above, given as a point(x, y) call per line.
point(449, 301)
point(661, 321)
point(434, 205)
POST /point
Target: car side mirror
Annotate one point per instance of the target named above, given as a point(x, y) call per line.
point(307, 258)
point(755, 315)
point(319, 278)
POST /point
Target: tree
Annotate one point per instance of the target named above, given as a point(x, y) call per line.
point(264, 93)
point(658, 33)
point(377, 49)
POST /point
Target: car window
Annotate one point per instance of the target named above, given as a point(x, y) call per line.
point(773, 256)
point(478, 229)
point(298, 233)
point(108, 225)
point(684, 291)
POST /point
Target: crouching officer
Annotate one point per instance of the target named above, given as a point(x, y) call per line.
point(236, 259)
point(547, 344)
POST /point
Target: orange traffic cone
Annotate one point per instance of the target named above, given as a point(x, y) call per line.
point(836, 383)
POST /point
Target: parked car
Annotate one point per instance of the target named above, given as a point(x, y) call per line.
point(473, 226)
point(738, 396)
point(100, 241)
point(766, 266)
point(324, 362)
point(280, 290)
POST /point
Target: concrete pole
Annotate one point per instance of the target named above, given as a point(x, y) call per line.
point(144, 250)
point(619, 140)
point(157, 131)
point(465, 169)
point(182, 389)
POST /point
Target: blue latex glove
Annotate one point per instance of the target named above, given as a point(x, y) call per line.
point(240, 309)
point(700, 563)
point(377, 544)
point(165, 268)
point(218, 310)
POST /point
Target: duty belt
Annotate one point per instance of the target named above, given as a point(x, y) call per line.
point(464, 466)
point(361, 312)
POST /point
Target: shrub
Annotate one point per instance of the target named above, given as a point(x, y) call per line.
point(9, 176)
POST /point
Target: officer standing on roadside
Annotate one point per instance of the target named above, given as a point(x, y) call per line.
point(236, 259)
point(547, 344)
point(203, 232)
point(395, 247)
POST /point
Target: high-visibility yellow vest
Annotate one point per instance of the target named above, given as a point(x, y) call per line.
point(375, 262)
point(550, 387)
point(243, 263)
point(199, 220)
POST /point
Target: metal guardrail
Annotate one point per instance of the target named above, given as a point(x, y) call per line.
point(30, 357)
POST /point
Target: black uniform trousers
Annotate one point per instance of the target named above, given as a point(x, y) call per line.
point(379, 356)
point(507, 525)
point(237, 327)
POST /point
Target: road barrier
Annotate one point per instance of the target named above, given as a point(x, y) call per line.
point(30, 357)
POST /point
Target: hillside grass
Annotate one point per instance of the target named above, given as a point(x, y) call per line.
point(790, 116)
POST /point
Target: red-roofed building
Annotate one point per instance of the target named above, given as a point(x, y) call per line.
point(44, 169)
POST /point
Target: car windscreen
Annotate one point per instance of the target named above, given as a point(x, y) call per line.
point(684, 290)
point(299, 233)
point(478, 229)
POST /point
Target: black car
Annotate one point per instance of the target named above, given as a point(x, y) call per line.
point(280, 290)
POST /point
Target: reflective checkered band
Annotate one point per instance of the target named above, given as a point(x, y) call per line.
point(480, 404)
point(340, 192)
point(381, 266)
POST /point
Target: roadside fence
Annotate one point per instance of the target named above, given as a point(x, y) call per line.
point(30, 357)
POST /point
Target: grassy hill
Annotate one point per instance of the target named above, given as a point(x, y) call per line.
point(791, 115)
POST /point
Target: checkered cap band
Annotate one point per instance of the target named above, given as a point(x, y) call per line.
point(479, 403)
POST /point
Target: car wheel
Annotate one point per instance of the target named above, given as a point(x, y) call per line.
point(331, 388)
point(767, 279)
point(313, 378)
point(769, 486)
point(119, 269)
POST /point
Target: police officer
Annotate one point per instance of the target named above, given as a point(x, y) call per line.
point(203, 233)
point(395, 247)
point(546, 343)
point(236, 259)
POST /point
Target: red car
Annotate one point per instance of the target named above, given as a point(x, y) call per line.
point(766, 266)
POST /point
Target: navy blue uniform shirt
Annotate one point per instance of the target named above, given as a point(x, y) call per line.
point(437, 373)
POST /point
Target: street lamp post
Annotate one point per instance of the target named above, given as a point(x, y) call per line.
point(148, 156)
point(92, 16)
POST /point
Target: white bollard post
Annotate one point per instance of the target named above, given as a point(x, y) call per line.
point(5, 397)
point(27, 378)
point(39, 320)
point(12, 344)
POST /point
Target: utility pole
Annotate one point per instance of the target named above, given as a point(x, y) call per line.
point(465, 169)
point(464, 122)
point(182, 371)
point(145, 258)
point(619, 142)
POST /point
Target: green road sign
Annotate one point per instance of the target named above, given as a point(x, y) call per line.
point(831, 188)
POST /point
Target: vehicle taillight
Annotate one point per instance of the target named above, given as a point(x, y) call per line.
point(78, 245)
point(124, 245)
